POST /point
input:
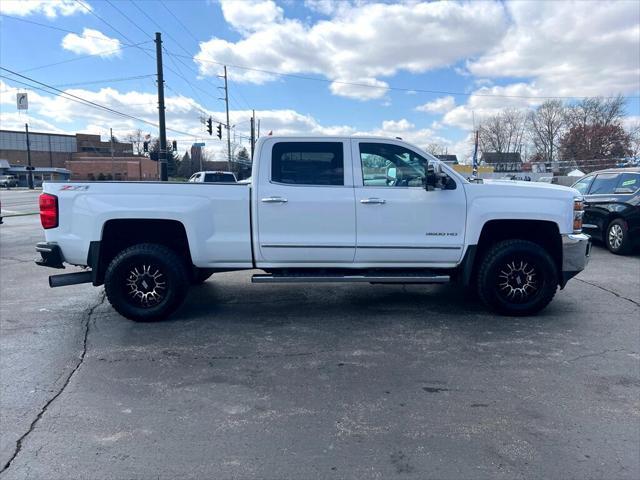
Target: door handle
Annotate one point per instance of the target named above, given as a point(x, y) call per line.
point(274, 200)
point(373, 201)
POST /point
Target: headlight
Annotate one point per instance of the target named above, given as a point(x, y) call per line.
point(578, 213)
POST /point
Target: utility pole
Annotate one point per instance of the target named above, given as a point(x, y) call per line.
point(253, 133)
point(162, 154)
point(226, 102)
point(258, 134)
point(113, 175)
point(29, 167)
point(475, 156)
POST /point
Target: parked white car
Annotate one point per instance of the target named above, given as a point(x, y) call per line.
point(327, 209)
point(213, 177)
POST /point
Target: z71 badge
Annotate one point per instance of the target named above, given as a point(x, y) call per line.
point(74, 188)
point(441, 234)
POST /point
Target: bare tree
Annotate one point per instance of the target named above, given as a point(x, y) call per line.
point(502, 132)
point(634, 136)
point(546, 127)
point(136, 138)
point(435, 149)
point(596, 111)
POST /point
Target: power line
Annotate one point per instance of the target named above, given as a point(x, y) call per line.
point(97, 54)
point(389, 87)
point(84, 101)
point(110, 80)
point(179, 21)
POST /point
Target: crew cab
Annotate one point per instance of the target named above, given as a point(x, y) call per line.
point(318, 209)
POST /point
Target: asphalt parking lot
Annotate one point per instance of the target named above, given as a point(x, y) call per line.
point(308, 381)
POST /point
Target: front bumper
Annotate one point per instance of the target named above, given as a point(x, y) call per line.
point(576, 248)
point(51, 255)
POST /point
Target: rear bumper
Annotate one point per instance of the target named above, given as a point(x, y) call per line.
point(576, 249)
point(51, 255)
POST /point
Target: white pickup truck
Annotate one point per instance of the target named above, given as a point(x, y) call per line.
point(328, 209)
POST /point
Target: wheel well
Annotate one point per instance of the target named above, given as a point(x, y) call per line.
point(544, 233)
point(123, 233)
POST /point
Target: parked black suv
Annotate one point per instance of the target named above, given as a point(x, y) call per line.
point(612, 208)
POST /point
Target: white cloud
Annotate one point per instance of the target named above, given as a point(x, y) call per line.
point(439, 105)
point(360, 89)
point(91, 42)
point(50, 8)
point(361, 42)
point(490, 100)
point(250, 15)
point(569, 48)
point(56, 113)
point(395, 126)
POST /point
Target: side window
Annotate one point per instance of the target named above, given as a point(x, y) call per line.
point(604, 184)
point(387, 165)
point(583, 185)
point(308, 163)
point(628, 183)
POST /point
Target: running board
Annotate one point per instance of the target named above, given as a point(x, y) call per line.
point(379, 278)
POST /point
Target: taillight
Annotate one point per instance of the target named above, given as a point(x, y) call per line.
point(48, 211)
point(578, 213)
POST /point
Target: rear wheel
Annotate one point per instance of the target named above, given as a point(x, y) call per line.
point(617, 237)
point(146, 282)
point(517, 277)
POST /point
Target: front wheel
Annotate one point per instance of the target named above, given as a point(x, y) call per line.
point(146, 282)
point(517, 277)
point(617, 237)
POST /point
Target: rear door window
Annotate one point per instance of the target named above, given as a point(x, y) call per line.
point(628, 183)
point(308, 163)
point(604, 184)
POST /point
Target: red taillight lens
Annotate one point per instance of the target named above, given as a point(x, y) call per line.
point(48, 210)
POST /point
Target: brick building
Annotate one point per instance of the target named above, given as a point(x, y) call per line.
point(85, 155)
point(121, 168)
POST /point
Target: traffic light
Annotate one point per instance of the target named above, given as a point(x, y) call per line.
point(220, 131)
point(210, 126)
point(175, 145)
point(145, 147)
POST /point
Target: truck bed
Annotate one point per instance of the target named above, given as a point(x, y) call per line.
point(215, 216)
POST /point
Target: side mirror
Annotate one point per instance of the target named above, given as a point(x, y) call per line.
point(437, 179)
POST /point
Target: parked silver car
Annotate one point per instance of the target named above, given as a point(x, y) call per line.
point(8, 181)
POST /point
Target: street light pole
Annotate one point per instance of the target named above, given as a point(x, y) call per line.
point(29, 167)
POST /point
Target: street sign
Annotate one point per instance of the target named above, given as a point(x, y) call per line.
point(201, 144)
point(22, 101)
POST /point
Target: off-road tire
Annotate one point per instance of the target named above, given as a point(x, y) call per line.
point(617, 229)
point(491, 276)
point(155, 258)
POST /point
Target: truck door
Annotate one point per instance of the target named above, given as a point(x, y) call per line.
point(398, 221)
point(305, 203)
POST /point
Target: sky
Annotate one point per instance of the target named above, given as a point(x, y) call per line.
point(423, 71)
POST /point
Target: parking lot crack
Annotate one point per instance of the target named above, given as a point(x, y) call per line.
point(637, 304)
point(17, 260)
point(595, 354)
point(43, 410)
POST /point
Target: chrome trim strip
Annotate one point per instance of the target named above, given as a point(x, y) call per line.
point(279, 245)
point(589, 225)
point(408, 247)
point(380, 247)
point(266, 278)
